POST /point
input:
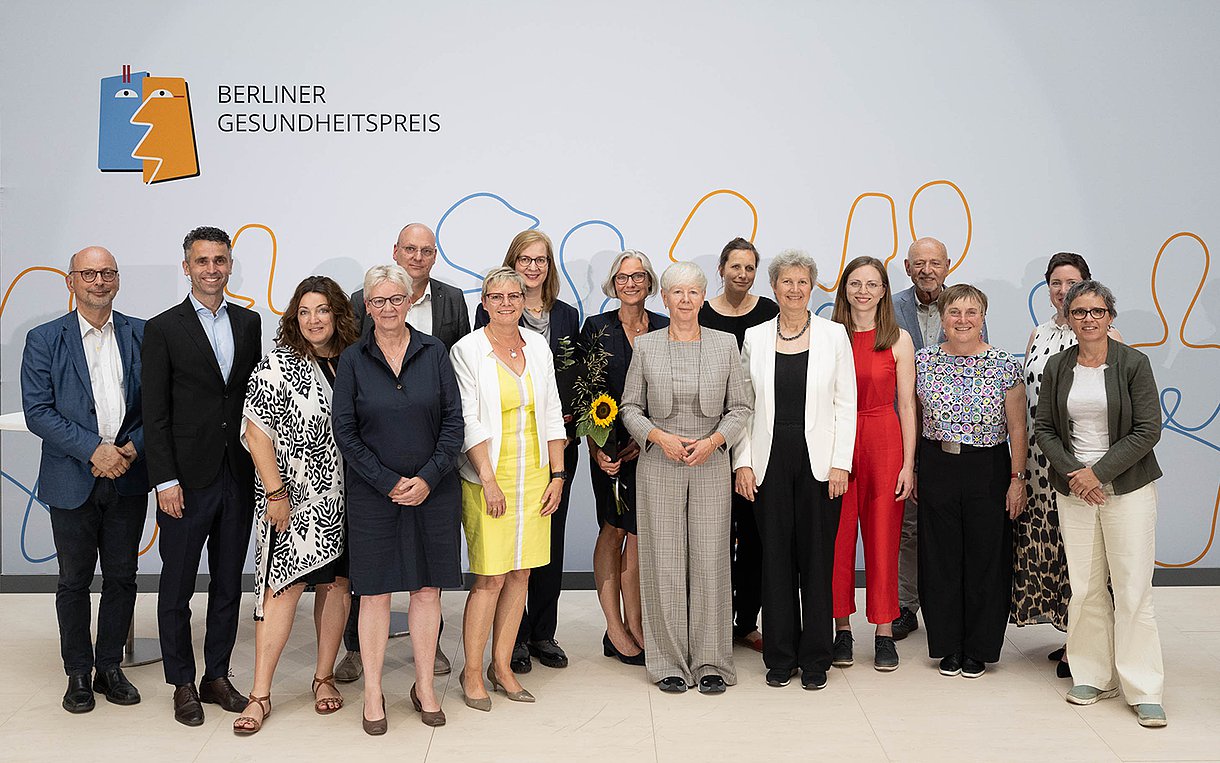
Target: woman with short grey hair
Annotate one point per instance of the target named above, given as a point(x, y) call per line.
point(685, 402)
point(1099, 420)
point(616, 560)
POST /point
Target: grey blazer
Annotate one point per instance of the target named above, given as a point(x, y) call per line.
point(907, 313)
point(450, 318)
point(648, 392)
point(1134, 419)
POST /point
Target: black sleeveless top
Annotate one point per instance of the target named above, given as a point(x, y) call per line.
point(790, 371)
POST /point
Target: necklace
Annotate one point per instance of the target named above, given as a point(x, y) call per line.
point(512, 351)
point(798, 335)
point(394, 357)
point(632, 329)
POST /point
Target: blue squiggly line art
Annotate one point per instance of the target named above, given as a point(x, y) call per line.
point(1032, 314)
point(535, 222)
point(25, 520)
point(1173, 425)
point(822, 307)
point(563, 268)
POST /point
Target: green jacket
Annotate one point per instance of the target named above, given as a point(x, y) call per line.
point(1134, 419)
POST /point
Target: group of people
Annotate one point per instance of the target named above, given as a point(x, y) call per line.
point(756, 440)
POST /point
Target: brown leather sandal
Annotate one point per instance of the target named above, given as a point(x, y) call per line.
point(326, 705)
point(245, 725)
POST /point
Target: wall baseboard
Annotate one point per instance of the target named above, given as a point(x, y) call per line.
point(572, 581)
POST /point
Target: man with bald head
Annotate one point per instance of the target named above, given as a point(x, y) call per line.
point(80, 388)
point(438, 309)
point(927, 263)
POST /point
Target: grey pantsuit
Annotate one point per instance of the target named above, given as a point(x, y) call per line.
point(691, 389)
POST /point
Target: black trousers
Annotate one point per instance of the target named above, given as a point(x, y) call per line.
point(965, 550)
point(218, 516)
point(745, 566)
point(107, 526)
point(797, 524)
point(541, 615)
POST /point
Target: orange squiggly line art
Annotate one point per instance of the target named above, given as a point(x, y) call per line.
point(847, 234)
point(270, 276)
point(969, 219)
point(1198, 290)
point(26, 272)
point(1210, 539)
point(151, 541)
point(694, 209)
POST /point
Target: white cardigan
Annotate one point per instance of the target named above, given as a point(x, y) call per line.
point(830, 399)
point(474, 363)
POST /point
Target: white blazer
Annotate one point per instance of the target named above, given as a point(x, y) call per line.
point(830, 398)
point(474, 363)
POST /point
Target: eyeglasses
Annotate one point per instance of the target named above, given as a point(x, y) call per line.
point(496, 298)
point(539, 262)
point(864, 285)
point(89, 276)
point(1096, 313)
point(412, 250)
point(636, 278)
point(395, 300)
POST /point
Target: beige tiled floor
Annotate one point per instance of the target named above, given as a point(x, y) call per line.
point(597, 709)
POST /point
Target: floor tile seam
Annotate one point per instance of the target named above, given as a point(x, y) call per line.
point(864, 712)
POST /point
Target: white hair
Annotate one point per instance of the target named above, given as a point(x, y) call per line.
point(792, 258)
point(683, 274)
point(381, 273)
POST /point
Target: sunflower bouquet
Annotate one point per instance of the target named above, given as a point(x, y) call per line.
point(596, 409)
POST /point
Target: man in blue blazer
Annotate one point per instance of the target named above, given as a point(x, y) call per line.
point(927, 263)
point(80, 388)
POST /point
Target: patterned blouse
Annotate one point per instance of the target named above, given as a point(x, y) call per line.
point(963, 396)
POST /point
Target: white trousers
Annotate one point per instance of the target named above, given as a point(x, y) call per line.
point(1108, 636)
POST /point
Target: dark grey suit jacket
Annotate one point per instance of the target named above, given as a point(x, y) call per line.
point(1134, 418)
point(450, 318)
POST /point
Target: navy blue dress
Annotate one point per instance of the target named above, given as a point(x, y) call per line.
point(388, 427)
point(614, 340)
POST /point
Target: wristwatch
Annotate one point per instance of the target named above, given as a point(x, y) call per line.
point(559, 476)
point(1020, 475)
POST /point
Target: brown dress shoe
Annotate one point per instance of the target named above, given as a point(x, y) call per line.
point(187, 709)
point(220, 691)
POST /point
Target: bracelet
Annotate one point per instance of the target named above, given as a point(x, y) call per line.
point(278, 494)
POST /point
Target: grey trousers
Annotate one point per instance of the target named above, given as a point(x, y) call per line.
point(685, 583)
point(908, 557)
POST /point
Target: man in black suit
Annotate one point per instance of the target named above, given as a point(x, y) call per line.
point(437, 309)
point(198, 357)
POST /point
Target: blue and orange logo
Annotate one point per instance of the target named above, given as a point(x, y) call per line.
point(145, 125)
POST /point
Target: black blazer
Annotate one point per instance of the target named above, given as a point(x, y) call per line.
point(565, 322)
point(192, 418)
point(450, 318)
point(1134, 418)
point(614, 340)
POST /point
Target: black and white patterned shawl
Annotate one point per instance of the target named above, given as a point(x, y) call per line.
point(290, 401)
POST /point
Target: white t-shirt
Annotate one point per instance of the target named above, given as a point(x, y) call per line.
point(1088, 414)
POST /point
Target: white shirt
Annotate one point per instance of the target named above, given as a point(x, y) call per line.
point(105, 375)
point(1088, 414)
point(419, 315)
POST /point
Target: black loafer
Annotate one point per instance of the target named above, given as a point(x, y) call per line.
point(904, 624)
point(114, 685)
point(672, 685)
point(549, 653)
point(780, 676)
point(79, 697)
point(812, 680)
point(187, 709)
point(951, 665)
point(712, 684)
point(972, 668)
point(220, 691)
point(520, 661)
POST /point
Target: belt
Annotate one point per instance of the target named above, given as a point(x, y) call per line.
point(957, 448)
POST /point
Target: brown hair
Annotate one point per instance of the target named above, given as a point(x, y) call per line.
point(1059, 259)
point(738, 244)
point(521, 242)
point(886, 322)
point(958, 291)
point(346, 332)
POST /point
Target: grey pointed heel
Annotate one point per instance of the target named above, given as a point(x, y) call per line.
point(515, 696)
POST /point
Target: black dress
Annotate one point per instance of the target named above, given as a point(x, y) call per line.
point(614, 340)
point(744, 545)
point(389, 427)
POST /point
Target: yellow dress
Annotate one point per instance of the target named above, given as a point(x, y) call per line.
point(521, 538)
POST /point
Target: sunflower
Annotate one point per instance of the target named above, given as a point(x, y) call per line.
point(602, 410)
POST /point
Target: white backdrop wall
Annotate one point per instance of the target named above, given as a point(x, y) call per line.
point(1040, 127)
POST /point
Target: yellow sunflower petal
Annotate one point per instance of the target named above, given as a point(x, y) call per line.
point(603, 410)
